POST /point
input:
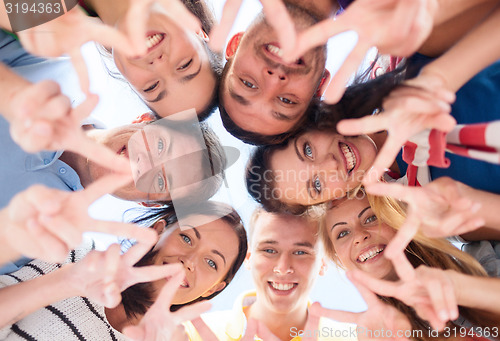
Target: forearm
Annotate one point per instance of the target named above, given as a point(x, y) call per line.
point(490, 202)
point(477, 292)
point(7, 253)
point(470, 55)
point(10, 84)
point(4, 18)
point(19, 300)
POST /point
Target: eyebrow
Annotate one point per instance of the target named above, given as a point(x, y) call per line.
point(197, 233)
point(160, 96)
point(221, 255)
point(359, 216)
point(297, 151)
point(187, 78)
point(363, 211)
point(305, 244)
point(238, 98)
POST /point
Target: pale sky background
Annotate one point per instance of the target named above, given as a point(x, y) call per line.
point(119, 105)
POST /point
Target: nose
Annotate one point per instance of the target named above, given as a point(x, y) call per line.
point(187, 262)
point(276, 73)
point(284, 266)
point(361, 234)
point(157, 58)
point(275, 77)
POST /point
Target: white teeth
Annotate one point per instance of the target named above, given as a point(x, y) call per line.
point(370, 254)
point(282, 286)
point(274, 50)
point(349, 156)
point(184, 284)
point(153, 40)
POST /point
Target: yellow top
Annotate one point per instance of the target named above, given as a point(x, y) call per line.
point(230, 325)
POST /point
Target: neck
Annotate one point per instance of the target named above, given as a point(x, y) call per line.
point(109, 11)
point(279, 324)
point(80, 164)
point(117, 318)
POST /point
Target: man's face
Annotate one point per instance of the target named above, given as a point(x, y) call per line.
point(284, 262)
point(260, 92)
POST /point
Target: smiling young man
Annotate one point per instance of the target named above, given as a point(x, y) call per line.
point(262, 96)
point(285, 258)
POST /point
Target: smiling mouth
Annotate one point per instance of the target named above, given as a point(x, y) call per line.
point(276, 51)
point(283, 287)
point(153, 40)
point(123, 151)
point(349, 156)
point(184, 283)
point(369, 254)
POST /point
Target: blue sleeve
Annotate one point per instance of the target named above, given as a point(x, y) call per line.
point(12, 53)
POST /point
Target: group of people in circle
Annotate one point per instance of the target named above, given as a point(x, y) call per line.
point(376, 172)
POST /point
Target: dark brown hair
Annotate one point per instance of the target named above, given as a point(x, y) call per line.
point(138, 298)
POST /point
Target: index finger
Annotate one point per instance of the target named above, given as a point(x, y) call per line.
point(278, 17)
point(168, 291)
point(384, 159)
point(81, 69)
point(105, 185)
point(339, 81)
point(317, 35)
point(403, 237)
point(403, 268)
point(100, 154)
point(379, 286)
point(337, 315)
point(219, 33)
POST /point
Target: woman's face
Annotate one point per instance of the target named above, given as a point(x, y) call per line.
point(175, 73)
point(320, 166)
point(164, 162)
point(207, 253)
point(358, 238)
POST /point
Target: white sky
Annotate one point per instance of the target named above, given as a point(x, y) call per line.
point(119, 105)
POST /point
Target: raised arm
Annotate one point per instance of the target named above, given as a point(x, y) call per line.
point(100, 276)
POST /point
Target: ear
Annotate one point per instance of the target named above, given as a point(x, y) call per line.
point(247, 260)
point(233, 44)
point(325, 79)
point(324, 267)
point(203, 35)
point(159, 226)
point(214, 289)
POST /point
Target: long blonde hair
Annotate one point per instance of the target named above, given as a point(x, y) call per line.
point(422, 250)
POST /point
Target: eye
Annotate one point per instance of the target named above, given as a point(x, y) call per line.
point(317, 185)
point(185, 66)
point(307, 151)
point(161, 145)
point(248, 84)
point(300, 253)
point(161, 182)
point(270, 251)
point(186, 239)
point(342, 234)
point(286, 100)
point(371, 219)
point(211, 263)
point(152, 87)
